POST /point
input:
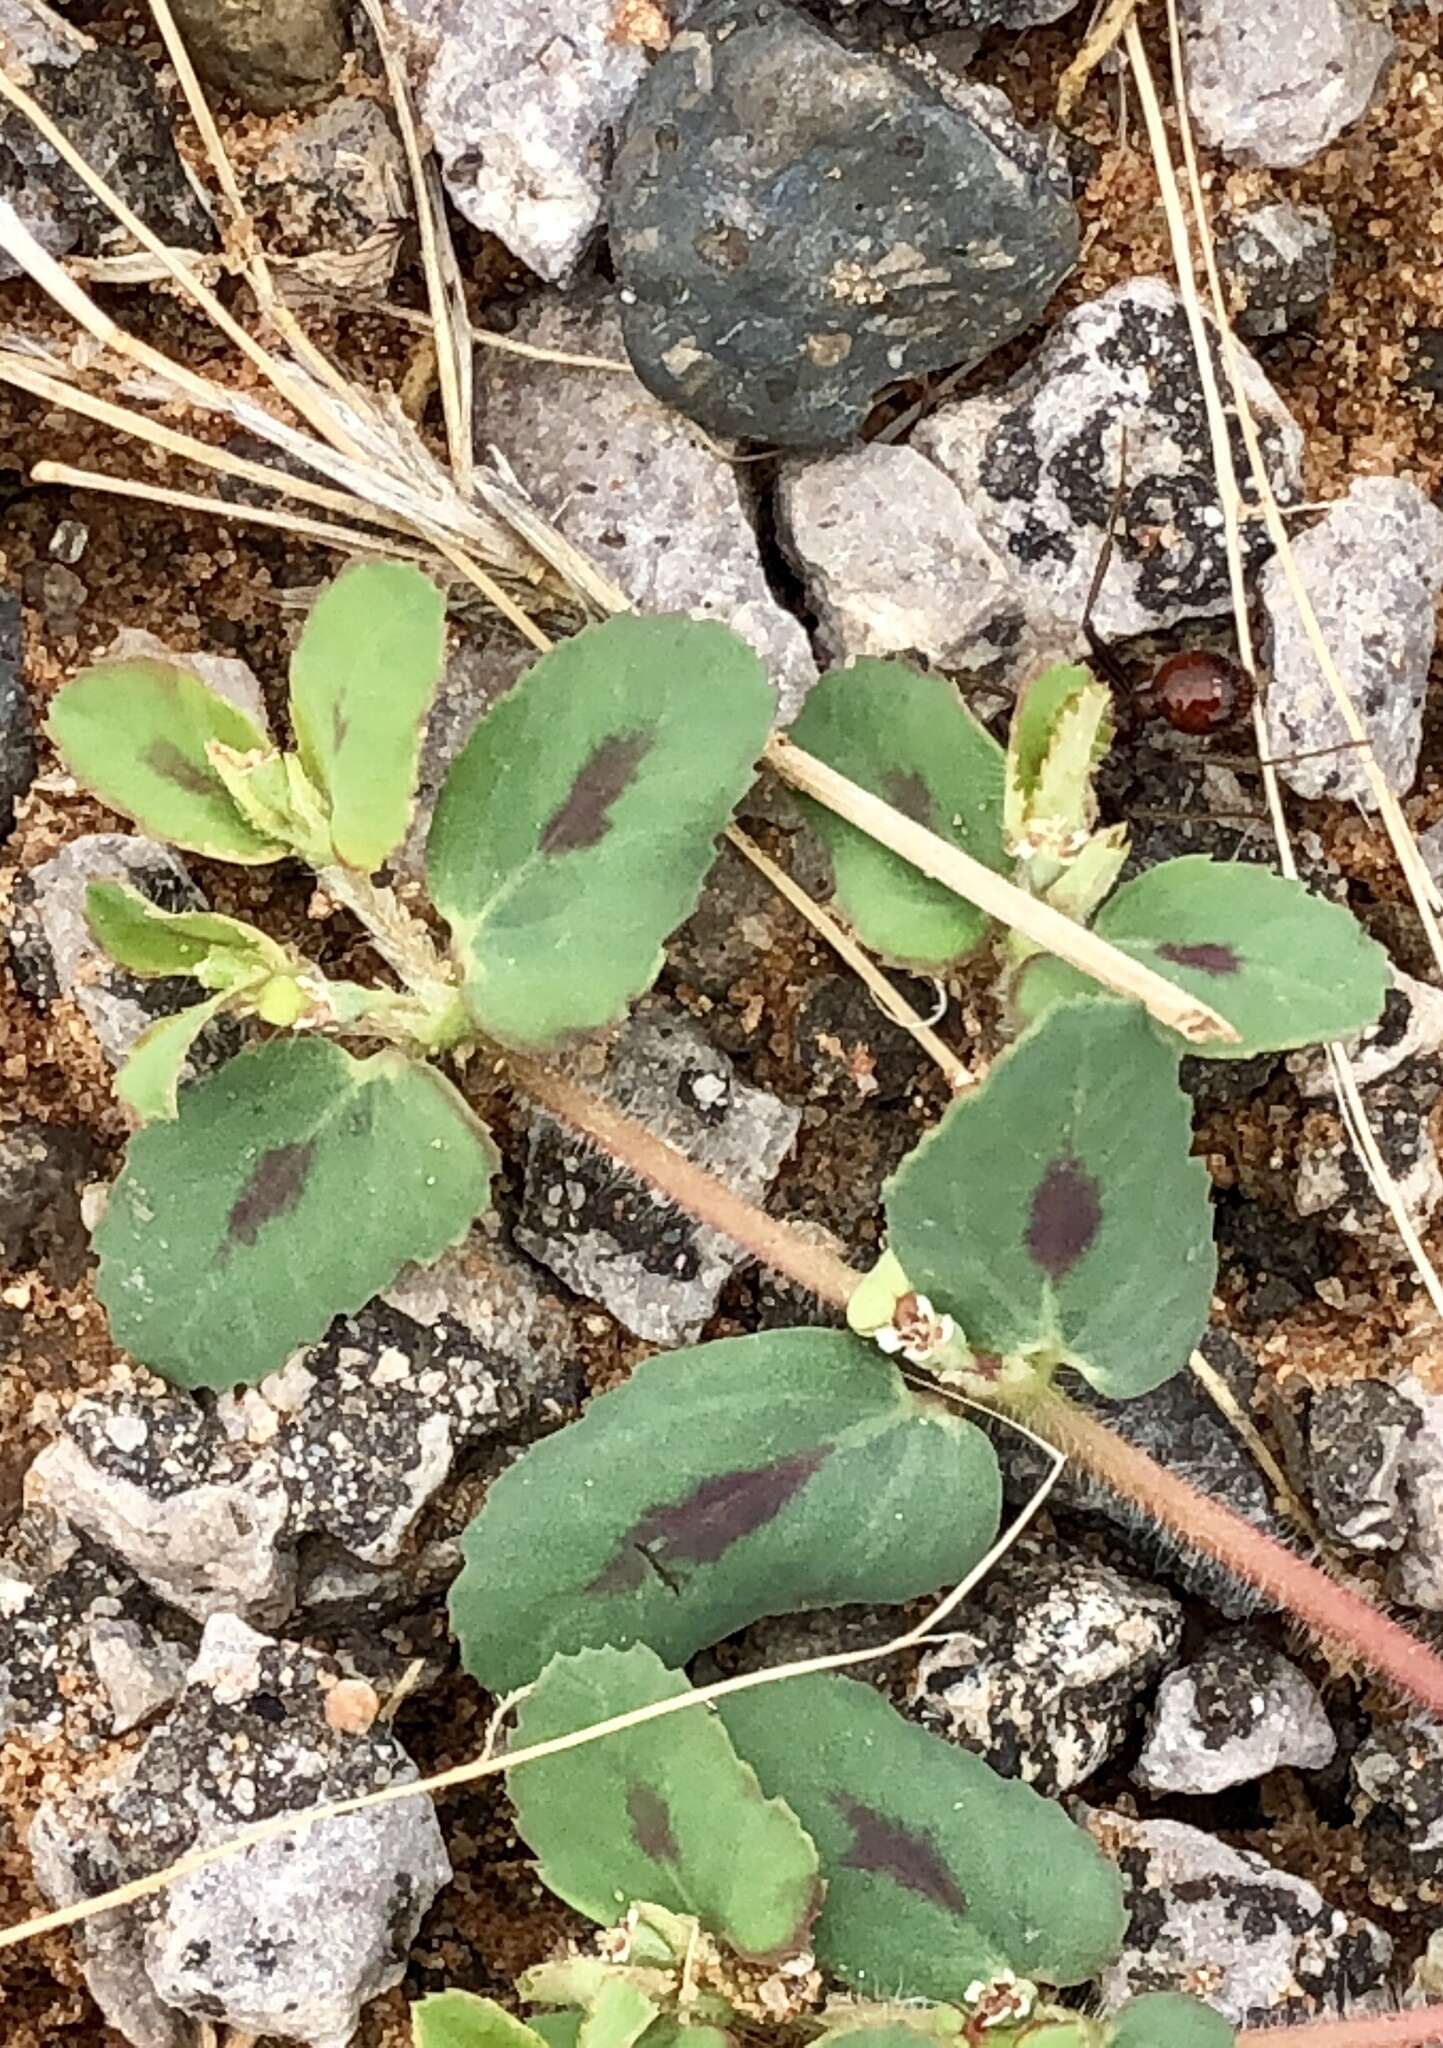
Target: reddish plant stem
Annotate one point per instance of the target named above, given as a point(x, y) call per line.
point(710, 1201)
point(1333, 1611)
point(1421, 2028)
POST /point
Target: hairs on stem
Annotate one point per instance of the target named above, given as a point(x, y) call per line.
point(1420, 2028)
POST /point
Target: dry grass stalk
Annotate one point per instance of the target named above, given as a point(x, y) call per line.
point(256, 267)
point(1103, 37)
point(1350, 1099)
point(438, 262)
point(55, 383)
point(350, 539)
point(295, 393)
point(936, 857)
point(888, 998)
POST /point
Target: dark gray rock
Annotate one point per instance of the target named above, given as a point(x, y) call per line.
point(1398, 1064)
point(1398, 1798)
point(107, 102)
point(1274, 84)
point(79, 1651)
point(796, 226)
point(44, 1171)
point(58, 594)
point(17, 724)
point(289, 1938)
point(852, 1052)
point(1043, 1681)
point(1357, 1437)
point(1260, 1945)
point(55, 954)
point(1373, 567)
point(608, 1236)
point(1182, 1429)
point(1039, 461)
point(1279, 1259)
point(468, 1351)
point(1425, 367)
point(272, 56)
point(1238, 1711)
point(631, 484)
point(1278, 267)
point(1410, 1028)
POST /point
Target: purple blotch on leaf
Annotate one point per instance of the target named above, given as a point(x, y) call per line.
point(583, 816)
point(169, 762)
point(1065, 1218)
point(890, 1849)
point(703, 1526)
point(275, 1185)
point(908, 793)
point(1205, 957)
point(650, 1820)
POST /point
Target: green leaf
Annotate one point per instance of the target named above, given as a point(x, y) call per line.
point(558, 2029)
point(1060, 730)
point(218, 951)
point(459, 2019)
point(664, 1811)
point(758, 1475)
point(275, 796)
point(577, 824)
point(1169, 2019)
point(1087, 880)
point(1284, 967)
point(938, 1872)
point(362, 679)
point(670, 2033)
point(620, 2016)
point(1035, 718)
point(149, 1080)
point(294, 1185)
point(908, 738)
point(1055, 1211)
point(136, 732)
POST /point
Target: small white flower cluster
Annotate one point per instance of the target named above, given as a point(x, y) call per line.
point(1000, 2001)
point(916, 1331)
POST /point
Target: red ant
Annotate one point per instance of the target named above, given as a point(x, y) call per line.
point(1195, 691)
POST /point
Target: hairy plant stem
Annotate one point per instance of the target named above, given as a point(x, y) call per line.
point(1421, 2028)
point(1334, 1611)
point(406, 946)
